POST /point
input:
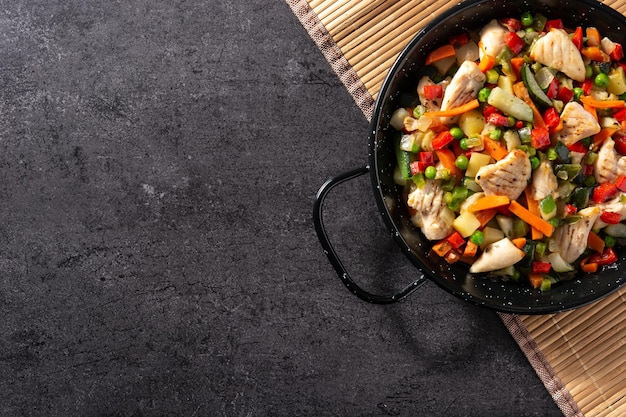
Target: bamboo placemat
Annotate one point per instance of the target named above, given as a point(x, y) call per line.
point(579, 355)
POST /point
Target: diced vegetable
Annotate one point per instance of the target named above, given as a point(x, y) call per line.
point(509, 104)
point(445, 51)
point(476, 161)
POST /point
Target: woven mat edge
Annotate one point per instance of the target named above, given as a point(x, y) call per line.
point(334, 56)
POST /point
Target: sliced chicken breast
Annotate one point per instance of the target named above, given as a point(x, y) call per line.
point(578, 124)
point(614, 206)
point(508, 177)
point(571, 239)
point(556, 50)
point(432, 215)
point(464, 86)
point(544, 182)
point(492, 38)
point(498, 255)
point(609, 164)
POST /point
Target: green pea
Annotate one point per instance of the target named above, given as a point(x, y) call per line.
point(483, 94)
point(430, 172)
point(461, 162)
point(588, 71)
point(463, 144)
point(578, 92)
point(601, 80)
point(457, 133)
point(477, 237)
point(495, 134)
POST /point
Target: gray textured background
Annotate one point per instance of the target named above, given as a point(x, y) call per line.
point(159, 162)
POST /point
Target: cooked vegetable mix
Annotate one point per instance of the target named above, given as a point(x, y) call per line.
point(513, 155)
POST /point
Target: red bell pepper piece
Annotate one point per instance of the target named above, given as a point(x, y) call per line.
point(620, 142)
point(553, 88)
point(617, 53)
point(607, 257)
point(512, 24)
point(620, 115)
point(570, 209)
point(456, 240)
point(586, 86)
point(565, 94)
point(541, 267)
point(577, 38)
point(620, 183)
point(551, 118)
point(578, 147)
point(459, 40)
point(540, 138)
point(442, 140)
point(427, 157)
point(513, 41)
point(489, 109)
point(610, 218)
point(433, 91)
point(498, 120)
point(418, 167)
point(604, 192)
point(553, 24)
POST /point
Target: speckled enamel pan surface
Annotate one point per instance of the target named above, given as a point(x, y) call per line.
point(501, 296)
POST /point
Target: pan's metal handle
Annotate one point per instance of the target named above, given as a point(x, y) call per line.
point(332, 255)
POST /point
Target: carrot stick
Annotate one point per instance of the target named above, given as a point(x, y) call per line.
point(447, 159)
point(532, 219)
point(591, 110)
point(516, 64)
point(521, 92)
point(593, 36)
point(494, 148)
point(445, 51)
point(488, 202)
point(533, 207)
point(484, 216)
point(595, 242)
point(455, 111)
point(442, 247)
point(603, 134)
point(602, 104)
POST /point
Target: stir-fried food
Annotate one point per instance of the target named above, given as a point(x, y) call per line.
point(513, 153)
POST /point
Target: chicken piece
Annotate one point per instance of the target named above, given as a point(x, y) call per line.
point(508, 177)
point(614, 206)
point(432, 215)
point(571, 239)
point(492, 38)
point(578, 124)
point(498, 255)
point(464, 86)
point(556, 50)
point(609, 165)
point(431, 104)
point(544, 182)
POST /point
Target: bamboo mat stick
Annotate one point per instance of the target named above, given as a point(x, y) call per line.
point(566, 355)
point(351, 28)
point(369, 30)
point(340, 18)
point(326, 9)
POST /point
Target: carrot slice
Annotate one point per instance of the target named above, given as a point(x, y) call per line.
point(589, 267)
point(535, 280)
point(442, 247)
point(602, 104)
point(591, 110)
point(470, 249)
point(604, 134)
point(486, 63)
point(516, 64)
point(443, 52)
point(595, 242)
point(488, 202)
point(521, 92)
point(495, 148)
point(532, 219)
point(519, 242)
point(533, 207)
point(594, 53)
point(455, 111)
point(484, 216)
point(593, 36)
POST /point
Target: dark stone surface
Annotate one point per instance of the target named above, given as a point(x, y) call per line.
point(159, 161)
